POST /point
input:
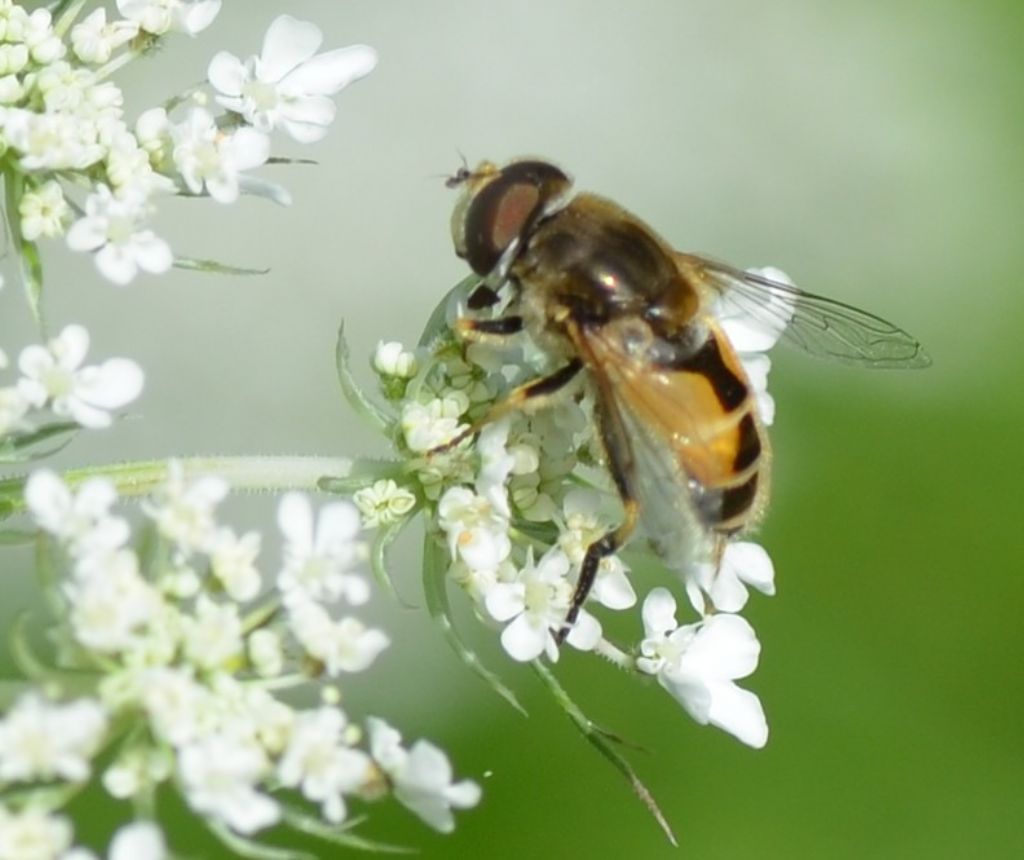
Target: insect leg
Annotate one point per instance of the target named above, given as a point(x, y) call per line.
point(599, 549)
point(620, 464)
point(482, 297)
point(516, 399)
point(471, 329)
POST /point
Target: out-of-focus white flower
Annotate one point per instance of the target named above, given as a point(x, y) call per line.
point(183, 511)
point(496, 464)
point(233, 562)
point(319, 762)
point(213, 634)
point(175, 703)
point(211, 159)
point(140, 840)
point(33, 834)
point(160, 16)
point(346, 645)
point(219, 774)
point(43, 211)
point(426, 426)
point(421, 777)
point(81, 520)
point(94, 40)
point(383, 503)
point(13, 408)
point(287, 86)
point(53, 375)
point(584, 524)
point(317, 561)
point(13, 58)
point(112, 228)
point(42, 740)
point(266, 652)
point(535, 605)
point(43, 43)
point(393, 359)
point(697, 664)
point(743, 564)
point(51, 141)
point(477, 533)
point(111, 603)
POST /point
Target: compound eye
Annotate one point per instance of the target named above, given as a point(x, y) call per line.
point(500, 214)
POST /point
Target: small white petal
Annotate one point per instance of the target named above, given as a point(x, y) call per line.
point(659, 612)
point(524, 639)
point(738, 712)
point(287, 43)
point(226, 73)
point(585, 633)
point(331, 71)
point(505, 600)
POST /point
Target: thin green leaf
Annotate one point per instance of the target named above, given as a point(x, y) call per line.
point(28, 252)
point(435, 589)
point(601, 740)
point(357, 399)
point(378, 557)
point(280, 159)
point(437, 324)
point(340, 835)
point(215, 267)
point(15, 449)
point(253, 850)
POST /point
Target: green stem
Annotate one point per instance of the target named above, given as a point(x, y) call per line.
point(68, 13)
point(117, 63)
point(242, 473)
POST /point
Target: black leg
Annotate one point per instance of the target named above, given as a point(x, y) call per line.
point(518, 398)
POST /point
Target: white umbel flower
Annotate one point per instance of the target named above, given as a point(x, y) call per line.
point(421, 777)
point(33, 834)
point(319, 763)
point(318, 558)
point(140, 840)
point(288, 85)
point(53, 376)
point(43, 211)
point(94, 40)
point(161, 16)
point(393, 359)
point(743, 564)
point(383, 502)
point(213, 160)
point(535, 605)
point(219, 774)
point(477, 532)
point(184, 511)
point(345, 645)
point(42, 740)
point(697, 664)
point(81, 520)
point(112, 228)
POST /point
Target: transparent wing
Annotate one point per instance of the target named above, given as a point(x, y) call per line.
point(820, 326)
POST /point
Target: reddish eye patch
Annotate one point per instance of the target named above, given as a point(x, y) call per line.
point(512, 213)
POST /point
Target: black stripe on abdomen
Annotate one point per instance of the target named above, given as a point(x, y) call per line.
point(749, 447)
point(730, 390)
point(719, 507)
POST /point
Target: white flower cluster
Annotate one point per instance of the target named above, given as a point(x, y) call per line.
point(63, 124)
point(518, 507)
point(190, 637)
point(52, 377)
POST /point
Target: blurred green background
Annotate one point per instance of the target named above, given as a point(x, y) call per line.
point(875, 151)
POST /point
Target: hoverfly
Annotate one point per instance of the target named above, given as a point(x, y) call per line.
point(606, 297)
